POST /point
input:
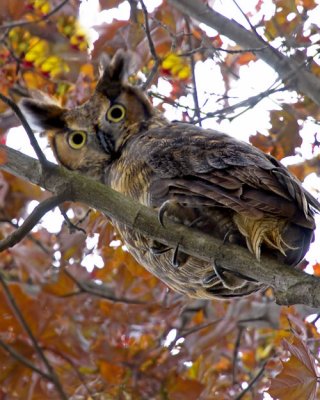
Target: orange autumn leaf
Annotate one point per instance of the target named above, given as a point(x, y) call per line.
point(316, 269)
point(298, 378)
point(112, 373)
point(245, 58)
point(3, 156)
point(184, 389)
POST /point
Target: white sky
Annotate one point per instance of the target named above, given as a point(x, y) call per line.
point(254, 78)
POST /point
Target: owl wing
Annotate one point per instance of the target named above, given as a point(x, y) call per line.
point(198, 167)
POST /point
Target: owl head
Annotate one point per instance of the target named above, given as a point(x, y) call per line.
point(90, 136)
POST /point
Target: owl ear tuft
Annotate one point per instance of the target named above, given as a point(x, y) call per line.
point(116, 73)
point(43, 116)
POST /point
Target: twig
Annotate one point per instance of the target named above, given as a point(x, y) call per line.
point(33, 239)
point(193, 75)
point(250, 24)
point(249, 103)
point(235, 355)
point(252, 382)
point(31, 221)
point(187, 332)
point(151, 46)
point(95, 290)
point(199, 327)
point(72, 227)
point(23, 360)
point(24, 122)
point(74, 367)
point(53, 377)
point(229, 51)
point(36, 21)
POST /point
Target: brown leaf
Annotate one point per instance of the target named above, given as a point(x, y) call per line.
point(107, 4)
point(262, 142)
point(111, 37)
point(284, 135)
point(112, 373)
point(298, 378)
point(301, 170)
point(184, 389)
point(245, 58)
point(11, 10)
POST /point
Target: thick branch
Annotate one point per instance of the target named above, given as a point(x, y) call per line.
point(291, 286)
point(288, 68)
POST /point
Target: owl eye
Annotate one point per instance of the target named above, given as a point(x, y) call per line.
point(116, 113)
point(77, 139)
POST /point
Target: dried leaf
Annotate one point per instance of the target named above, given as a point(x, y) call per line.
point(298, 378)
point(107, 4)
point(184, 389)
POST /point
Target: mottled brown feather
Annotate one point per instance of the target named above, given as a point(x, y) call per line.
point(201, 178)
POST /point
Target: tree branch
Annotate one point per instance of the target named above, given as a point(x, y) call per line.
point(23, 360)
point(291, 286)
point(24, 122)
point(152, 48)
point(101, 291)
point(288, 68)
point(32, 220)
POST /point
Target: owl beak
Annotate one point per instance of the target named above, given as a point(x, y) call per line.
point(106, 141)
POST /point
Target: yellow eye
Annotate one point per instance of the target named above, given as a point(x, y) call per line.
point(77, 139)
point(116, 113)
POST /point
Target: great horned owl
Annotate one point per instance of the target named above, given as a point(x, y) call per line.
point(199, 177)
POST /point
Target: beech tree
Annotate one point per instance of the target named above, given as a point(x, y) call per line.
point(79, 318)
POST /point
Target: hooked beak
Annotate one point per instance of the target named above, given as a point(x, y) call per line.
point(106, 141)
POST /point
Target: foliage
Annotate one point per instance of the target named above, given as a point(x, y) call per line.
point(117, 332)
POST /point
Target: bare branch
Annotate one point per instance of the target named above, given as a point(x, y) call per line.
point(193, 75)
point(252, 382)
point(32, 220)
point(23, 360)
point(33, 239)
point(97, 290)
point(229, 51)
point(153, 52)
point(72, 227)
point(235, 355)
point(24, 122)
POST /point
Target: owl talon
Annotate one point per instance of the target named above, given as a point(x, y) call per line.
point(175, 260)
point(159, 248)
point(227, 236)
point(162, 210)
point(210, 280)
